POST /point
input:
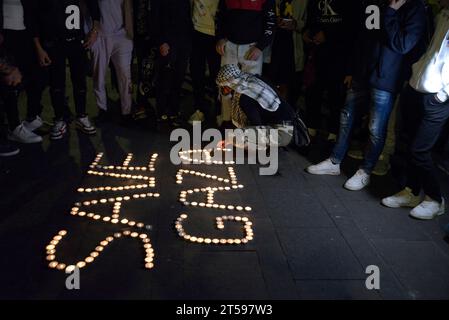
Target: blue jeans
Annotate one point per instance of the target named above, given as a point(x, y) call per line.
point(381, 104)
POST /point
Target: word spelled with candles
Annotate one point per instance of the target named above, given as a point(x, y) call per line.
point(125, 173)
point(229, 183)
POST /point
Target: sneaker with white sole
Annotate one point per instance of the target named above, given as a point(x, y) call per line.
point(196, 116)
point(428, 209)
point(84, 125)
point(58, 130)
point(327, 167)
point(358, 181)
point(405, 198)
point(33, 125)
point(8, 150)
point(23, 135)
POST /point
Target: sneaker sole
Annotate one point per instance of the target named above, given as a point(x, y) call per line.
point(439, 213)
point(324, 173)
point(25, 142)
point(400, 206)
point(10, 154)
point(88, 132)
point(355, 189)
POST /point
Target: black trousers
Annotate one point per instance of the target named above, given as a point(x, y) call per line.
point(20, 49)
point(146, 53)
point(172, 74)
point(203, 52)
point(329, 77)
point(59, 51)
point(422, 173)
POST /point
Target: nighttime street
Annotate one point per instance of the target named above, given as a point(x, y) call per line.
point(223, 159)
point(312, 238)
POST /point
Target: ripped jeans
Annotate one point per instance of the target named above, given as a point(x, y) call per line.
point(380, 105)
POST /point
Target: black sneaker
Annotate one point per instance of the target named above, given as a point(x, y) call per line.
point(8, 150)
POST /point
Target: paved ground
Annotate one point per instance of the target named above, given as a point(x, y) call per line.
point(313, 239)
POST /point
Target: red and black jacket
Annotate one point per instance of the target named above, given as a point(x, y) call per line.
point(247, 21)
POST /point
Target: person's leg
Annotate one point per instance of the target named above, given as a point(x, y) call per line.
point(198, 69)
point(10, 96)
point(121, 58)
point(101, 53)
point(356, 100)
point(336, 100)
point(250, 66)
point(422, 167)
point(230, 57)
point(182, 59)
point(78, 71)
point(313, 100)
point(382, 103)
point(57, 81)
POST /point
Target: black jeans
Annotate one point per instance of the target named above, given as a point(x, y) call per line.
point(19, 46)
point(422, 172)
point(335, 100)
point(173, 70)
point(203, 52)
point(258, 116)
point(59, 51)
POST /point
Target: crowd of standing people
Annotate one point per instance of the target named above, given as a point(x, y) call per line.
point(358, 82)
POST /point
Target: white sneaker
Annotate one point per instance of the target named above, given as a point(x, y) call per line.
point(23, 135)
point(358, 181)
point(196, 116)
point(428, 209)
point(58, 130)
point(405, 198)
point(85, 125)
point(33, 125)
point(327, 167)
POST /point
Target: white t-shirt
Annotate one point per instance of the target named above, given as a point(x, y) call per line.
point(13, 17)
point(431, 72)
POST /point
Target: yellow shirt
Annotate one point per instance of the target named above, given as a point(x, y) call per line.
point(203, 16)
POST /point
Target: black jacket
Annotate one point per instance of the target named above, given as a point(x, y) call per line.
point(173, 20)
point(29, 12)
point(51, 18)
point(247, 21)
point(383, 58)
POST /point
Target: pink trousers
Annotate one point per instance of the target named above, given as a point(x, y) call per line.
point(117, 49)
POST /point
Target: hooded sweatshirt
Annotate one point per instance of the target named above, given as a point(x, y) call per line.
point(431, 72)
point(382, 58)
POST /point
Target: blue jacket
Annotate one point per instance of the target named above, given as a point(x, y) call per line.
point(383, 58)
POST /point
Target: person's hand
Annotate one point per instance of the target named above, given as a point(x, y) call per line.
point(306, 37)
point(319, 38)
point(253, 54)
point(13, 77)
point(43, 58)
point(348, 82)
point(288, 24)
point(164, 49)
point(397, 4)
point(91, 39)
point(221, 46)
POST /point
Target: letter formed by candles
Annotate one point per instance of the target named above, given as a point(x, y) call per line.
point(140, 191)
point(229, 183)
